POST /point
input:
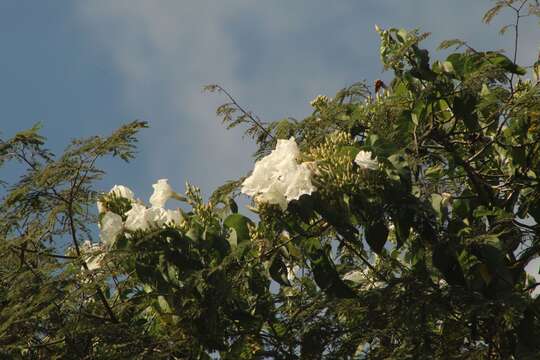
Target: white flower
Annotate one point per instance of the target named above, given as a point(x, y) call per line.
point(122, 191)
point(94, 261)
point(273, 194)
point(117, 190)
point(446, 198)
point(111, 227)
point(160, 216)
point(174, 216)
point(87, 246)
point(101, 207)
point(300, 183)
point(162, 192)
point(291, 272)
point(93, 255)
point(156, 215)
point(140, 217)
point(375, 285)
point(443, 284)
point(356, 276)
point(278, 178)
point(137, 218)
point(364, 160)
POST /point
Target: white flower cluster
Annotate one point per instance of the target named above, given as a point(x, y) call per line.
point(139, 217)
point(278, 178)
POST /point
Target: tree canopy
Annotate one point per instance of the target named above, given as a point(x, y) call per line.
point(393, 222)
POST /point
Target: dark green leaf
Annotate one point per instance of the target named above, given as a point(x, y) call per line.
point(445, 259)
point(278, 270)
point(327, 278)
point(239, 223)
point(376, 236)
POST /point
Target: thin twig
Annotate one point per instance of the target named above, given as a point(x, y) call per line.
point(248, 114)
point(40, 253)
point(516, 37)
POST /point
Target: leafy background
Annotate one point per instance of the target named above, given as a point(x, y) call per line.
point(54, 190)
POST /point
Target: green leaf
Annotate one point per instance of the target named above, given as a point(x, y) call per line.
point(436, 204)
point(164, 305)
point(464, 109)
point(238, 223)
point(327, 278)
point(194, 233)
point(232, 205)
point(403, 220)
point(348, 151)
point(122, 242)
point(278, 270)
point(485, 273)
point(448, 67)
point(173, 275)
point(145, 272)
point(465, 64)
point(496, 263)
point(505, 63)
point(459, 63)
point(336, 214)
point(232, 237)
point(434, 171)
point(450, 43)
point(311, 344)
point(492, 12)
point(505, 28)
point(528, 333)
point(445, 260)
point(213, 237)
point(464, 205)
point(376, 236)
point(293, 250)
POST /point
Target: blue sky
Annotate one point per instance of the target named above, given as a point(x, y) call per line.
point(85, 67)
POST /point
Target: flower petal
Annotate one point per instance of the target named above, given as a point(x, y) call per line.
point(162, 192)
